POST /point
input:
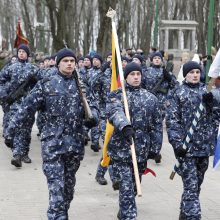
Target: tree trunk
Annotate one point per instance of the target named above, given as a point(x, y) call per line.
point(104, 36)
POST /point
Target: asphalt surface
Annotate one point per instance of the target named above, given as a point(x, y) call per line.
point(24, 193)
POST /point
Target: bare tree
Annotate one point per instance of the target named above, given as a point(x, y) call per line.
point(104, 35)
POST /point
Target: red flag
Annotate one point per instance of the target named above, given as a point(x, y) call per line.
point(20, 39)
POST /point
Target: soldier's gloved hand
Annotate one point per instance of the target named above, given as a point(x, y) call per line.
point(207, 98)
point(167, 75)
point(128, 133)
point(105, 66)
point(151, 155)
point(181, 152)
point(90, 123)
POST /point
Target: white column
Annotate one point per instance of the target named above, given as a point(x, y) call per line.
point(193, 40)
point(179, 39)
point(166, 39)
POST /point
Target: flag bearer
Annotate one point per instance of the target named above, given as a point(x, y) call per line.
point(146, 129)
point(194, 160)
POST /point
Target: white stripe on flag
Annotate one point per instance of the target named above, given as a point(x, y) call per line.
point(216, 160)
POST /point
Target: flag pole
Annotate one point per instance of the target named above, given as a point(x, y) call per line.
point(111, 13)
point(210, 37)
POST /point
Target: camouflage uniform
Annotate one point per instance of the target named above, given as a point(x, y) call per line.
point(180, 114)
point(12, 79)
point(147, 123)
point(84, 74)
point(151, 77)
point(61, 137)
point(95, 75)
point(106, 83)
point(42, 74)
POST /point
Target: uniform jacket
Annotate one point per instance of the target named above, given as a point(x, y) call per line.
point(59, 100)
point(180, 114)
point(145, 119)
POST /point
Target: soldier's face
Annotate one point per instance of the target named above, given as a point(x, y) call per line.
point(96, 62)
point(13, 59)
point(124, 63)
point(22, 55)
point(67, 66)
point(87, 62)
point(109, 58)
point(193, 76)
point(157, 61)
point(134, 78)
point(80, 63)
point(136, 60)
point(46, 63)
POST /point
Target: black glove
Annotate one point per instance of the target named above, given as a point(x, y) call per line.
point(167, 75)
point(207, 98)
point(181, 152)
point(128, 133)
point(105, 66)
point(151, 155)
point(89, 123)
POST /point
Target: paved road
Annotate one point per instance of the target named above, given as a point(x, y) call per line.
point(24, 194)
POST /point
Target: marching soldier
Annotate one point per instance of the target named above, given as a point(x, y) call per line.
point(17, 81)
point(59, 99)
point(159, 82)
point(181, 112)
point(146, 129)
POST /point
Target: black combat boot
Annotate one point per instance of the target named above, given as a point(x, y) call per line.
point(16, 161)
point(119, 215)
point(182, 216)
point(101, 180)
point(95, 147)
point(158, 158)
point(9, 143)
point(115, 185)
point(26, 159)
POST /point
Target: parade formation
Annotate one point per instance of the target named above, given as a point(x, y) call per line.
point(71, 99)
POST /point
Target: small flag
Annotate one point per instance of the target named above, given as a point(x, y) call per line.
point(216, 160)
point(115, 84)
point(20, 39)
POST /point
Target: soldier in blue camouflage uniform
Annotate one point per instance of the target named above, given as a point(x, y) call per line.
point(146, 129)
point(94, 78)
point(105, 82)
point(159, 82)
point(84, 74)
point(62, 134)
point(45, 73)
point(18, 80)
point(194, 161)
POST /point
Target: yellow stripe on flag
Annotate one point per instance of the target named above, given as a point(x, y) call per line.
point(109, 128)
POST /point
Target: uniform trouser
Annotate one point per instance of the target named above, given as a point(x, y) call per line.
point(60, 173)
point(95, 135)
point(98, 131)
point(40, 121)
point(127, 189)
point(102, 170)
point(192, 171)
point(22, 138)
point(6, 120)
